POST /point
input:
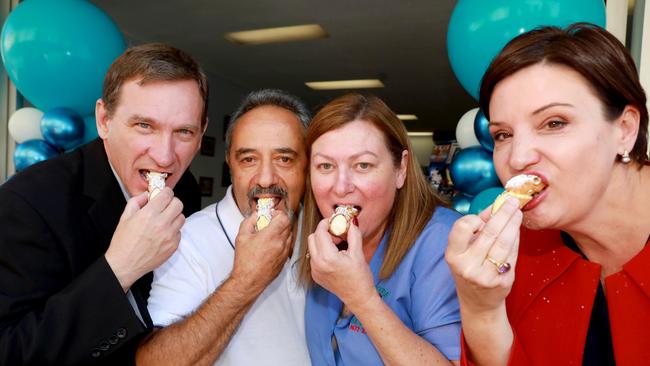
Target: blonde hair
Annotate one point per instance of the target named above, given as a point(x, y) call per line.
point(414, 203)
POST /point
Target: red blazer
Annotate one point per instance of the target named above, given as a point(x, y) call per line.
point(550, 304)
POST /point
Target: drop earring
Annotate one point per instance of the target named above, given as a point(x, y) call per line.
point(625, 157)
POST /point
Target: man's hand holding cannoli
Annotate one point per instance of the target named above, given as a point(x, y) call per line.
point(260, 255)
point(147, 234)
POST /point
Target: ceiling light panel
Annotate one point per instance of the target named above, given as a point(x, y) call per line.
point(345, 84)
point(276, 35)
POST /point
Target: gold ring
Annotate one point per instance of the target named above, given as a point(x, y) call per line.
point(502, 267)
point(307, 256)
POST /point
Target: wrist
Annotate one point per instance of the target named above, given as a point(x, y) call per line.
point(244, 286)
point(364, 304)
point(123, 276)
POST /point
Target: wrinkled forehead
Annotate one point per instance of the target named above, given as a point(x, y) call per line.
point(268, 128)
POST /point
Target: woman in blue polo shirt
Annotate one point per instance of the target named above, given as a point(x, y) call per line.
point(383, 292)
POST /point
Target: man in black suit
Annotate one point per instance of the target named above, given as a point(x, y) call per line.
point(78, 233)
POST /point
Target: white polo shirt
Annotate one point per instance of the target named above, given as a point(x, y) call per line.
point(273, 330)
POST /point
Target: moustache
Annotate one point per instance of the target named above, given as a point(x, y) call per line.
point(274, 190)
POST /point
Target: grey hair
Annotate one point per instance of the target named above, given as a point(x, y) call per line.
point(270, 97)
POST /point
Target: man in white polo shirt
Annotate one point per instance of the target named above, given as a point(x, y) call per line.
point(230, 294)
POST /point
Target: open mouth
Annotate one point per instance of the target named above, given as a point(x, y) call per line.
point(278, 201)
point(144, 173)
point(354, 207)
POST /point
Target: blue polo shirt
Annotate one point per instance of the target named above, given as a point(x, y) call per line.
point(421, 292)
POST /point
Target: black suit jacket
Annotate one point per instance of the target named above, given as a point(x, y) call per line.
point(60, 303)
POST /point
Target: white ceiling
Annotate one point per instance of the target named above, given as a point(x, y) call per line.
point(401, 42)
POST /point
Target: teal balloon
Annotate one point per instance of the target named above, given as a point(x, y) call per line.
point(482, 131)
point(63, 128)
point(90, 130)
point(472, 171)
point(461, 203)
point(57, 52)
point(484, 199)
point(31, 152)
point(478, 29)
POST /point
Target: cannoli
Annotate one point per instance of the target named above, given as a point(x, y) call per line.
point(523, 187)
point(339, 222)
point(156, 183)
point(264, 210)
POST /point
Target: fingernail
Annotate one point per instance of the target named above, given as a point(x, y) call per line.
point(355, 221)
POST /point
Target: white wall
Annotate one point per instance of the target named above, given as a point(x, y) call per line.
point(224, 98)
point(422, 147)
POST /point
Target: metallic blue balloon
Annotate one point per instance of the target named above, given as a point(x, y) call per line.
point(57, 52)
point(63, 128)
point(472, 171)
point(31, 152)
point(484, 199)
point(90, 131)
point(482, 132)
point(461, 203)
point(478, 29)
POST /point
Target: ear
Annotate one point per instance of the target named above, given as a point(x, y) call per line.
point(401, 172)
point(102, 119)
point(627, 127)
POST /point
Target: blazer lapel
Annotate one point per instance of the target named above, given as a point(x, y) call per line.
point(101, 187)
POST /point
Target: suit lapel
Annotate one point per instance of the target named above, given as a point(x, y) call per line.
point(100, 185)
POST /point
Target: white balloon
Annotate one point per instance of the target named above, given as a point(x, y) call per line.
point(465, 130)
point(25, 124)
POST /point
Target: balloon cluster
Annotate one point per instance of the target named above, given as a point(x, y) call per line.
point(477, 31)
point(472, 170)
point(56, 53)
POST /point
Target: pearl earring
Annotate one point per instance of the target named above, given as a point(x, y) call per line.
point(625, 157)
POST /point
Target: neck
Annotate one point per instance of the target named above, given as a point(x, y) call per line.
point(371, 242)
point(617, 227)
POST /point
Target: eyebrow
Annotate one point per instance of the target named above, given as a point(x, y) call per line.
point(351, 157)
point(537, 111)
point(550, 105)
point(139, 118)
point(280, 150)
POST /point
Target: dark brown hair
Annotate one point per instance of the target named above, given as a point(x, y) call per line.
point(153, 62)
point(414, 203)
point(589, 50)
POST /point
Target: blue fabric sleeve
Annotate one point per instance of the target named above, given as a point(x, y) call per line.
point(435, 309)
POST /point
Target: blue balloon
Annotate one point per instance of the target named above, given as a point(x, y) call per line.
point(31, 152)
point(472, 171)
point(478, 29)
point(484, 199)
point(63, 128)
point(57, 52)
point(482, 131)
point(90, 130)
point(461, 203)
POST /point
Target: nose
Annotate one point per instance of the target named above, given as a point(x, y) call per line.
point(267, 176)
point(162, 150)
point(343, 184)
point(523, 152)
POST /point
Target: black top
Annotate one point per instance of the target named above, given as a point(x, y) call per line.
point(598, 346)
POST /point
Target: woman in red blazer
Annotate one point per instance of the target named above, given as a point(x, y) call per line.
point(572, 287)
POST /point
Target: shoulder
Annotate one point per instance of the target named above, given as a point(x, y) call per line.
point(45, 181)
point(440, 222)
point(198, 223)
point(203, 239)
point(432, 241)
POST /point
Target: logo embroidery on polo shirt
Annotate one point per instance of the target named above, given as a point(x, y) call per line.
point(355, 324)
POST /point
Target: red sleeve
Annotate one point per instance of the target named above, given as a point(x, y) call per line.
point(517, 354)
